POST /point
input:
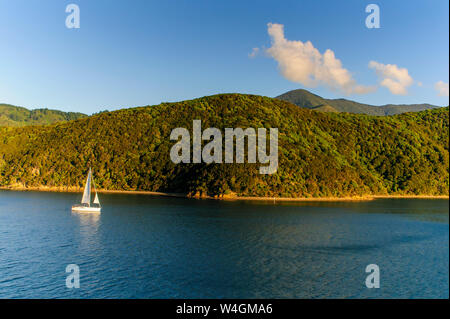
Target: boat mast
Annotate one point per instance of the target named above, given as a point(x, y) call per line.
point(87, 190)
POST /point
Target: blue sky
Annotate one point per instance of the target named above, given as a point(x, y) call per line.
point(130, 53)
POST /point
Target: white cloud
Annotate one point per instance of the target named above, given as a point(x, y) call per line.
point(442, 88)
point(303, 63)
point(254, 52)
point(394, 78)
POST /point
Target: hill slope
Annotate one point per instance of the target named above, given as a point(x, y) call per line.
point(309, 100)
point(320, 154)
point(11, 115)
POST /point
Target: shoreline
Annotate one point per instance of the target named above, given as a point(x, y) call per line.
point(229, 197)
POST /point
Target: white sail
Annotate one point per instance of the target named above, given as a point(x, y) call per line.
point(96, 201)
point(87, 190)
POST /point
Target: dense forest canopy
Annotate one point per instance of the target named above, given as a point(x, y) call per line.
point(320, 154)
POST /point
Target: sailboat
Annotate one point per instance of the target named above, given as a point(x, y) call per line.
point(85, 205)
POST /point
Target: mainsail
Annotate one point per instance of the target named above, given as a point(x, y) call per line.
point(87, 190)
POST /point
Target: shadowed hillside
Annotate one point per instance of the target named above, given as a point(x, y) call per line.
point(309, 100)
point(320, 154)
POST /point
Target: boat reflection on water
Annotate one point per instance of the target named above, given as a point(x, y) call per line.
point(89, 237)
point(88, 218)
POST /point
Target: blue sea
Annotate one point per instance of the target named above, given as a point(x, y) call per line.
point(144, 246)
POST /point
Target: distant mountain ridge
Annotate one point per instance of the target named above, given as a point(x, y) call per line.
point(11, 115)
point(16, 116)
point(304, 98)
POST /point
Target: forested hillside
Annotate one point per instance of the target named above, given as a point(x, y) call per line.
point(320, 154)
point(11, 115)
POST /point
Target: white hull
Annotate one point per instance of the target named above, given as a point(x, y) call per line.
point(86, 209)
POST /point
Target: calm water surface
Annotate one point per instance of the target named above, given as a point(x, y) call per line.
point(154, 247)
